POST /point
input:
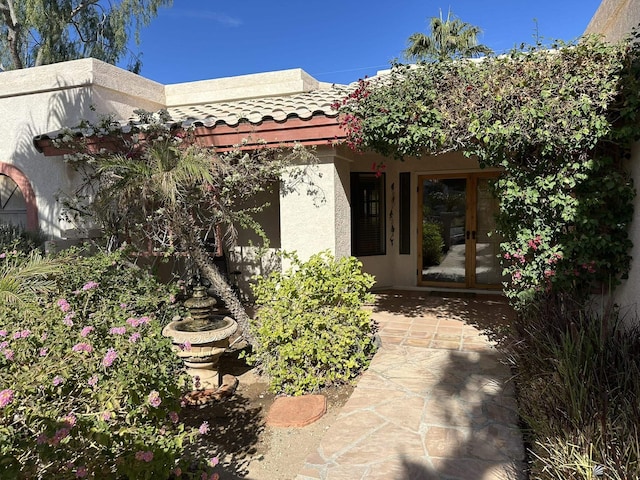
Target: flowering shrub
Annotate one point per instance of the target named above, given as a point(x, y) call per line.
point(88, 385)
point(558, 122)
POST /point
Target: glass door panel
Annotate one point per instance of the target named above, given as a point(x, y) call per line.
point(443, 230)
point(487, 246)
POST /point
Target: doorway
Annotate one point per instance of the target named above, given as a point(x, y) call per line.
point(459, 245)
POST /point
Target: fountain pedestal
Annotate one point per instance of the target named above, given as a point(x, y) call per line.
point(201, 339)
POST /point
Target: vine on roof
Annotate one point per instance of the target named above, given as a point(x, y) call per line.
point(559, 122)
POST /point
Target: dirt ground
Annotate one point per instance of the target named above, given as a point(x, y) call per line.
point(246, 447)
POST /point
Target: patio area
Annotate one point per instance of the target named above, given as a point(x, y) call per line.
point(434, 404)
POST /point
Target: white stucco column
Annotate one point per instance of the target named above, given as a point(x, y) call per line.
point(315, 216)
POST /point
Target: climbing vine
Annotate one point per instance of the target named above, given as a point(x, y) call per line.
point(558, 121)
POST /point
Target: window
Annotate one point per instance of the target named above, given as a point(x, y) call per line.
point(367, 214)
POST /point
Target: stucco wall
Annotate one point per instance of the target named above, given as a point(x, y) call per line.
point(615, 19)
point(44, 99)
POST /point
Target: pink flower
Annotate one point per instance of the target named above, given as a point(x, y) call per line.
point(173, 416)
point(3, 333)
point(144, 456)
point(186, 346)
point(134, 338)
point(214, 461)
point(16, 335)
point(8, 353)
point(177, 472)
point(134, 322)
point(144, 320)
point(154, 399)
point(70, 420)
point(82, 347)
point(93, 381)
point(64, 305)
point(82, 472)
point(4, 345)
point(43, 352)
point(118, 330)
point(517, 275)
point(6, 397)
point(110, 357)
point(86, 331)
point(123, 305)
point(106, 416)
point(90, 285)
point(204, 428)
point(67, 319)
point(57, 380)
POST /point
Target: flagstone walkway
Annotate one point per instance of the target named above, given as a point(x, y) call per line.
point(435, 402)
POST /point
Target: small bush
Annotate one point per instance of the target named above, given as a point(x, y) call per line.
point(88, 385)
point(432, 244)
point(16, 238)
point(311, 328)
point(579, 384)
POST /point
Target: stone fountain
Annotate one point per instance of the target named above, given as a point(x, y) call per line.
point(200, 339)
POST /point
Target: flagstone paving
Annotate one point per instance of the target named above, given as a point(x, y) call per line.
point(435, 403)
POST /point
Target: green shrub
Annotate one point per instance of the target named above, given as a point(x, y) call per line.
point(311, 328)
point(89, 387)
point(432, 244)
point(579, 384)
point(14, 237)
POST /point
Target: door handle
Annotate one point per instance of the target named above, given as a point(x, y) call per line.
point(473, 234)
point(468, 234)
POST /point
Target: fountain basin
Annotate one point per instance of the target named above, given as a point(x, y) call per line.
point(200, 343)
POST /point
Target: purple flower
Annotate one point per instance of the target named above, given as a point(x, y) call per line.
point(118, 330)
point(86, 331)
point(82, 472)
point(93, 381)
point(82, 347)
point(67, 319)
point(204, 428)
point(134, 322)
point(144, 456)
point(4, 345)
point(109, 357)
point(42, 439)
point(186, 346)
point(90, 285)
point(173, 416)
point(143, 320)
point(154, 399)
point(64, 305)
point(134, 338)
point(6, 397)
point(57, 380)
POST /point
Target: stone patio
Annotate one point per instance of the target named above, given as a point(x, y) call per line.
point(434, 404)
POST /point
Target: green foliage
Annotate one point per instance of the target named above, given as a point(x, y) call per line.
point(558, 122)
point(311, 328)
point(14, 237)
point(37, 32)
point(578, 377)
point(88, 384)
point(432, 243)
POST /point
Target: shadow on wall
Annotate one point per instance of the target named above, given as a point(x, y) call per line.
point(49, 175)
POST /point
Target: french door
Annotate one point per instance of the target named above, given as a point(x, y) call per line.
point(457, 218)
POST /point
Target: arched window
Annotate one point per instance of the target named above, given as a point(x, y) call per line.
point(13, 208)
point(17, 199)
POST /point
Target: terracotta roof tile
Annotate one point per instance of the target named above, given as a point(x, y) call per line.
point(256, 110)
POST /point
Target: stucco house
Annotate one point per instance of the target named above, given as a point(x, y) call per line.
point(419, 224)
point(374, 217)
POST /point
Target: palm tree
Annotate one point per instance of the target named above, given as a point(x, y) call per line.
point(448, 39)
point(21, 282)
point(170, 193)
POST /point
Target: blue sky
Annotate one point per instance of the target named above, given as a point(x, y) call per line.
point(335, 41)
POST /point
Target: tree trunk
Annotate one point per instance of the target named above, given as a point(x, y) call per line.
point(188, 236)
